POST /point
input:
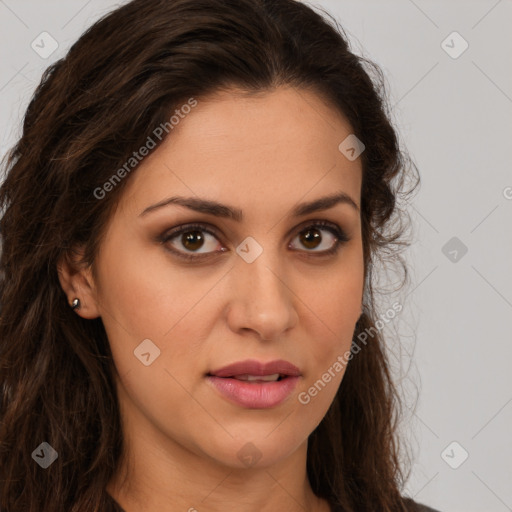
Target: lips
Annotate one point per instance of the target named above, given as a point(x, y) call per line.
point(257, 368)
point(255, 385)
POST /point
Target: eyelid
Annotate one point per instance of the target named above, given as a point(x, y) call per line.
point(190, 226)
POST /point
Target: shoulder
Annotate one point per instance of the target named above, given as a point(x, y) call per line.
point(419, 507)
point(424, 508)
point(414, 506)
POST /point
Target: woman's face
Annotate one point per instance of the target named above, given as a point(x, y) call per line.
point(251, 280)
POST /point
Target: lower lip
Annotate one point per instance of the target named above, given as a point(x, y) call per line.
point(256, 395)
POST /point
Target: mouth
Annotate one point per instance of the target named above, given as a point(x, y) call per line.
point(276, 377)
point(246, 370)
point(255, 385)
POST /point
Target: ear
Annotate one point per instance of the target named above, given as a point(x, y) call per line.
point(77, 282)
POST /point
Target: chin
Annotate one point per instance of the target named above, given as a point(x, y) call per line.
point(256, 447)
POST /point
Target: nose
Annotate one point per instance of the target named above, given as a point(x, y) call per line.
point(262, 300)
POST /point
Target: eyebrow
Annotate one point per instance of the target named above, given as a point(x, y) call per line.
point(220, 210)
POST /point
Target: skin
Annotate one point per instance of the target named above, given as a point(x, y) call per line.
point(263, 155)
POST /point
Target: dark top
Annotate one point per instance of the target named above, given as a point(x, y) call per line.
point(424, 508)
point(419, 507)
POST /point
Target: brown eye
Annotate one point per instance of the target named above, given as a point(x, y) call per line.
point(192, 240)
point(312, 238)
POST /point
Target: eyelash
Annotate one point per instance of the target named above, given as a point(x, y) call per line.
point(341, 238)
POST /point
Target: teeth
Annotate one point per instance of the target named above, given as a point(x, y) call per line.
point(265, 378)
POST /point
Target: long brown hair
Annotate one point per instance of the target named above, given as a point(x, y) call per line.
point(91, 111)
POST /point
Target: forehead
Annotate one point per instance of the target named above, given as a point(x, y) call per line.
point(282, 145)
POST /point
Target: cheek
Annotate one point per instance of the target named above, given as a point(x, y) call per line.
point(147, 297)
point(335, 300)
point(330, 314)
point(144, 294)
point(166, 401)
point(336, 291)
point(330, 339)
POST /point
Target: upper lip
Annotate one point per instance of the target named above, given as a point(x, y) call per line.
point(258, 368)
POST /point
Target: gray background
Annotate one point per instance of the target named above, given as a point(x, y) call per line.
point(455, 118)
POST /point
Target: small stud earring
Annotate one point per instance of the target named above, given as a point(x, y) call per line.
point(75, 304)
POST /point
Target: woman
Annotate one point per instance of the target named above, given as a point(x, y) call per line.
point(188, 321)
